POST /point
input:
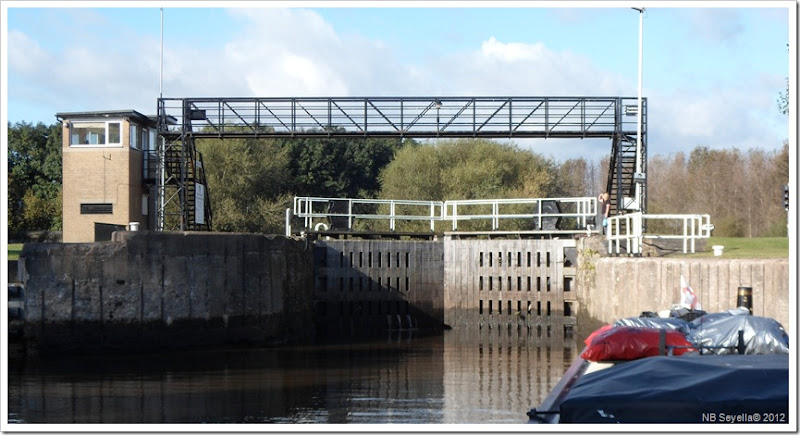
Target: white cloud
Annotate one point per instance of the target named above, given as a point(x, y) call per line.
point(511, 52)
point(721, 117)
point(295, 52)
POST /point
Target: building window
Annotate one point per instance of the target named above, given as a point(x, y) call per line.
point(134, 137)
point(95, 133)
point(145, 138)
point(145, 201)
point(97, 208)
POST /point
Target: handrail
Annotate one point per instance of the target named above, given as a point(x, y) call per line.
point(631, 223)
point(694, 226)
point(585, 208)
point(309, 208)
point(582, 210)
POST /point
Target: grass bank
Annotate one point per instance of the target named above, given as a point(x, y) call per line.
point(741, 247)
point(13, 250)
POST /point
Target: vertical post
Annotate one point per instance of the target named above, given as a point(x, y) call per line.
point(539, 214)
point(495, 214)
point(288, 222)
point(306, 205)
point(350, 214)
point(638, 186)
point(628, 233)
point(160, 149)
point(161, 64)
point(391, 213)
point(685, 224)
point(433, 206)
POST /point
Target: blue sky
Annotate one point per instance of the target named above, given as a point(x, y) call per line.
point(712, 75)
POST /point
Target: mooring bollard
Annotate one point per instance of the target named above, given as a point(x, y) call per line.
point(744, 298)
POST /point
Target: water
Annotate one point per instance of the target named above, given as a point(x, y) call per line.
point(484, 376)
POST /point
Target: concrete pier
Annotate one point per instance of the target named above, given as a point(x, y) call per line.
point(614, 288)
point(147, 291)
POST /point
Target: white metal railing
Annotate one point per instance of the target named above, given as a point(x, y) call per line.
point(310, 208)
point(580, 209)
point(628, 229)
point(316, 212)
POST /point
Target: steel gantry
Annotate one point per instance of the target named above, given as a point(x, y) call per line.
point(184, 201)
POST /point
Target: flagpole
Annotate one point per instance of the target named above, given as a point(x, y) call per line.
point(161, 64)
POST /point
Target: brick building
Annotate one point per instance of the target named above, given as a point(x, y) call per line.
point(107, 158)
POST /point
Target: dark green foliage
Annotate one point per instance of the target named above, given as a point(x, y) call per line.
point(467, 169)
point(248, 182)
point(34, 177)
point(253, 181)
point(338, 167)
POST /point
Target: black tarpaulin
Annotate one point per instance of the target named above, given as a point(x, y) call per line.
point(680, 389)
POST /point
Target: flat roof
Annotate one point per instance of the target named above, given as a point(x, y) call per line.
point(107, 114)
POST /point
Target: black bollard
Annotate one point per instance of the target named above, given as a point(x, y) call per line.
point(744, 298)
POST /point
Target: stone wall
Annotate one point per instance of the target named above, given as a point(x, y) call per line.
point(148, 290)
point(614, 288)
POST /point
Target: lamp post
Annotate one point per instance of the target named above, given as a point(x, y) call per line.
point(639, 116)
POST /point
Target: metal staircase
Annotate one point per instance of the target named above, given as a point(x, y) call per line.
point(183, 202)
point(621, 183)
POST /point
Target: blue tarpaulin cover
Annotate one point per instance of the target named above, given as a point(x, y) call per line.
point(682, 389)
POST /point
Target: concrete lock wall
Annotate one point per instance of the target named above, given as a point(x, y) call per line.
point(375, 285)
point(505, 282)
point(148, 290)
point(614, 288)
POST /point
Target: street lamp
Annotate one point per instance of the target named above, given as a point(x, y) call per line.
point(639, 115)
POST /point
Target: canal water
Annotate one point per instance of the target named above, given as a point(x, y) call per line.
point(481, 376)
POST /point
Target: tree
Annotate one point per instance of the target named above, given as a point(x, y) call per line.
point(249, 183)
point(575, 177)
point(339, 167)
point(34, 177)
point(783, 100)
point(742, 192)
point(253, 181)
point(466, 169)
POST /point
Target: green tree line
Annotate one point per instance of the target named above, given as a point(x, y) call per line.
point(34, 177)
point(252, 181)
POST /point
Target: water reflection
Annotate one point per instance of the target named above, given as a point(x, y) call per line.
point(479, 376)
point(496, 375)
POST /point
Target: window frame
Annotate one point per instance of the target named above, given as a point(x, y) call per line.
point(96, 208)
point(107, 125)
point(133, 136)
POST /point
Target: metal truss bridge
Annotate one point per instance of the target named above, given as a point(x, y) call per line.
point(184, 200)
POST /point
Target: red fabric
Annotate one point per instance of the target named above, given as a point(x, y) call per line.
point(623, 343)
point(594, 334)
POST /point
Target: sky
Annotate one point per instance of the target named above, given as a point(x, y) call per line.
point(712, 71)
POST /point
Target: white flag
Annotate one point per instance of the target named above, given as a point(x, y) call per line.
point(688, 298)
